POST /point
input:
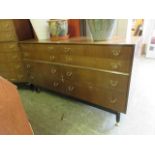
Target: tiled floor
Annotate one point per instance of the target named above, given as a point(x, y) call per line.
point(53, 114)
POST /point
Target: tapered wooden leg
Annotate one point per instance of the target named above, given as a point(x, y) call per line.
point(118, 115)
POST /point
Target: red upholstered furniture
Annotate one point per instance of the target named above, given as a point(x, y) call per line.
point(13, 119)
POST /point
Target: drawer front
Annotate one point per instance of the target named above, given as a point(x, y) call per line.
point(9, 75)
point(97, 51)
point(42, 72)
point(94, 51)
point(8, 36)
point(7, 30)
point(105, 89)
point(10, 57)
point(40, 55)
point(95, 78)
point(89, 77)
point(6, 25)
point(13, 71)
point(8, 47)
point(115, 58)
point(109, 99)
point(99, 63)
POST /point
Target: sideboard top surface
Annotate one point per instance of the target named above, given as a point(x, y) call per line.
point(84, 40)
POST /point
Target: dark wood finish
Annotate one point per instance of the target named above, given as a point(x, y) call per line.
point(82, 70)
point(23, 29)
point(13, 120)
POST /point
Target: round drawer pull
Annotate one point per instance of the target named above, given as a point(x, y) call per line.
point(70, 88)
point(55, 84)
point(53, 70)
point(50, 47)
point(113, 83)
point(113, 100)
point(69, 74)
point(52, 57)
point(116, 52)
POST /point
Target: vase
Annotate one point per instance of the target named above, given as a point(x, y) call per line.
point(101, 29)
point(58, 29)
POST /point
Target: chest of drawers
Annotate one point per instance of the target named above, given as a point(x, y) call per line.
point(98, 73)
point(11, 65)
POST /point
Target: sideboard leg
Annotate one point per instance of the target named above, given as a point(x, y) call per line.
point(118, 115)
point(37, 89)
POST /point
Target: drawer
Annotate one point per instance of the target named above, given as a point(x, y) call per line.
point(6, 25)
point(114, 58)
point(95, 51)
point(8, 75)
point(9, 47)
point(42, 71)
point(96, 78)
point(10, 57)
point(109, 99)
point(13, 70)
point(40, 55)
point(99, 63)
point(8, 36)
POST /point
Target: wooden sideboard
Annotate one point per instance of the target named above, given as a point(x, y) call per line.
point(96, 72)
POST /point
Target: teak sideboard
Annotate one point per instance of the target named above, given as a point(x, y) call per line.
point(96, 72)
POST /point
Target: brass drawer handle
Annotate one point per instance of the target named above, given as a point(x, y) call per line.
point(11, 46)
point(52, 57)
point(53, 70)
point(113, 100)
point(50, 47)
point(70, 88)
point(68, 58)
point(55, 84)
point(115, 65)
point(69, 74)
point(116, 52)
point(28, 66)
point(67, 49)
point(113, 83)
point(26, 54)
